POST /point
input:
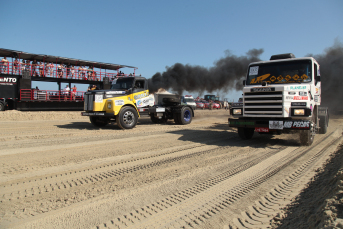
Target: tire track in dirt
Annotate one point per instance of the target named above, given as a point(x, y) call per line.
point(193, 206)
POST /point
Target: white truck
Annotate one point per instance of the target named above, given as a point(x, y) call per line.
point(282, 95)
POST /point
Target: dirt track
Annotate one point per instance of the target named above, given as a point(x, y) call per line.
point(58, 171)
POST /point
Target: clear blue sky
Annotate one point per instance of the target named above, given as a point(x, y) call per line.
point(151, 35)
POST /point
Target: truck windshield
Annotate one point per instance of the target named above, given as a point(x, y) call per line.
point(122, 83)
point(297, 71)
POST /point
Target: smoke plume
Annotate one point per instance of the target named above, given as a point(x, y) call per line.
point(331, 70)
point(226, 74)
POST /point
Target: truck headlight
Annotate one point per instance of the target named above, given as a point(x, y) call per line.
point(109, 106)
point(299, 111)
point(237, 111)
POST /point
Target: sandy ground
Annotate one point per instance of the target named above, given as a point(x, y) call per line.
point(58, 171)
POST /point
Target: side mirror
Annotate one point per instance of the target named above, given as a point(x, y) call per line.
point(317, 78)
point(243, 82)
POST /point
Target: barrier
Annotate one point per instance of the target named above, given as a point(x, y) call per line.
point(57, 71)
point(49, 95)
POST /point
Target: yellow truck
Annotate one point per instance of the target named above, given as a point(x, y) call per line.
point(128, 99)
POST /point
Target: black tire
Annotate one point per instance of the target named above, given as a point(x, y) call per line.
point(177, 119)
point(127, 118)
point(323, 124)
point(98, 122)
point(2, 106)
point(245, 133)
point(158, 120)
point(306, 137)
point(185, 117)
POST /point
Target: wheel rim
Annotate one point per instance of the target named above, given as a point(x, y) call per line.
point(187, 115)
point(128, 118)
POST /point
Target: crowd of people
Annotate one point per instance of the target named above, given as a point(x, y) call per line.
point(49, 69)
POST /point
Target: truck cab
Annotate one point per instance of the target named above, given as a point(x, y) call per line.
point(282, 95)
point(188, 100)
point(127, 99)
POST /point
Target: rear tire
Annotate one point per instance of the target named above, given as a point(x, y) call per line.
point(323, 124)
point(245, 133)
point(2, 106)
point(127, 118)
point(185, 117)
point(98, 122)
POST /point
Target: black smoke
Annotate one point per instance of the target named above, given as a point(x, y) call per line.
point(226, 74)
point(331, 70)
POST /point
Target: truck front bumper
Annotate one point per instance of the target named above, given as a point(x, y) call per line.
point(268, 125)
point(98, 114)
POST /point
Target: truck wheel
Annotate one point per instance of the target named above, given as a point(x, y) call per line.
point(245, 133)
point(323, 124)
point(2, 106)
point(127, 118)
point(157, 120)
point(98, 122)
point(177, 118)
point(185, 117)
point(306, 137)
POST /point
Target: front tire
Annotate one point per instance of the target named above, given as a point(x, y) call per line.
point(245, 133)
point(127, 118)
point(306, 137)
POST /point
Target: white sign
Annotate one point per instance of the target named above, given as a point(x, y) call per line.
point(143, 102)
point(276, 125)
point(98, 98)
point(119, 102)
point(253, 71)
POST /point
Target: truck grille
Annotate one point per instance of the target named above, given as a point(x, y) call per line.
point(263, 103)
point(89, 98)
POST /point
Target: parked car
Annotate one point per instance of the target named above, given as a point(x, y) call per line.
point(199, 105)
point(206, 104)
point(215, 105)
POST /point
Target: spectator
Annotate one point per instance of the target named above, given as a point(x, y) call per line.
point(16, 66)
point(226, 105)
point(27, 65)
point(89, 88)
point(41, 69)
point(89, 72)
point(66, 92)
point(74, 92)
point(22, 67)
point(33, 68)
point(4, 62)
point(47, 69)
point(60, 71)
point(68, 66)
point(94, 88)
point(72, 69)
point(84, 70)
point(51, 69)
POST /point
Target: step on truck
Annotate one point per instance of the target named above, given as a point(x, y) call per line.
point(282, 95)
point(128, 99)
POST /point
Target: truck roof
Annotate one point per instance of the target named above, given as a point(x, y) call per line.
point(59, 60)
point(283, 60)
